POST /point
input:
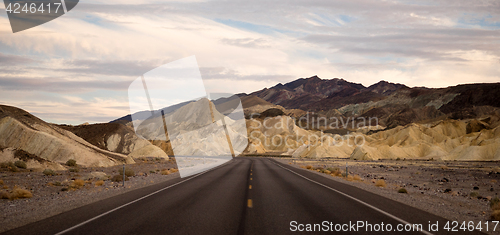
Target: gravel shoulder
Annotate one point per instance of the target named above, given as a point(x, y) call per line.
point(441, 188)
point(53, 195)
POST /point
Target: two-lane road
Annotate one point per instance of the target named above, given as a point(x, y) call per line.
point(243, 196)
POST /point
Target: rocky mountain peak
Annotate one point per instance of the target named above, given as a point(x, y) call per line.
point(385, 88)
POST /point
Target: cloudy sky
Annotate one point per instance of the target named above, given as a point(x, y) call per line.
point(78, 67)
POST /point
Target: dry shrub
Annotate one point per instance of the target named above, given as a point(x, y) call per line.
point(20, 164)
point(327, 172)
point(493, 181)
point(1, 182)
point(443, 167)
point(474, 194)
point(336, 173)
point(165, 172)
point(74, 170)
point(495, 215)
point(99, 183)
point(128, 172)
point(118, 178)
point(20, 193)
point(48, 172)
point(71, 162)
point(333, 169)
point(173, 170)
point(495, 203)
point(357, 178)
point(402, 190)
point(350, 178)
point(76, 184)
point(495, 208)
point(4, 195)
point(380, 183)
point(12, 167)
point(309, 167)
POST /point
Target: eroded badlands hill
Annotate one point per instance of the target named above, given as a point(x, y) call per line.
point(441, 140)
point(19, 130)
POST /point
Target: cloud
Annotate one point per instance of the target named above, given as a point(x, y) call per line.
point(418, 43)
point(59, 85)
point(96, 50)
point(118, 68)
point(69, 109)
point(14, 60)
point(246, 42)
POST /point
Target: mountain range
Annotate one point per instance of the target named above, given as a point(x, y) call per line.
point(392, 103)
point(395, 121)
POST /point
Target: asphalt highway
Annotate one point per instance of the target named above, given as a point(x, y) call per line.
point(243, 196)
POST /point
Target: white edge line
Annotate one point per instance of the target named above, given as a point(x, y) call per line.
point(134, 201)
point(355, 199)
point(64, 6)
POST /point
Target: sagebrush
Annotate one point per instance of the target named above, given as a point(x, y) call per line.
point(71, 162)
point(20, 164)
point(380, 183)
point(49, 172)
point(128, 172)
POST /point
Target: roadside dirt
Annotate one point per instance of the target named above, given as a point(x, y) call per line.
point(456, 190)
point(54, 194)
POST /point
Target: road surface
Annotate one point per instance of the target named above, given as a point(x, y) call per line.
point(243, 196)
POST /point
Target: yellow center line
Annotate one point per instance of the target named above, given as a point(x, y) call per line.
point(250, 204)
point(250, 173)
point(249, 186)
point(250, 178)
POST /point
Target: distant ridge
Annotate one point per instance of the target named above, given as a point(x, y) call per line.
point(392, 103)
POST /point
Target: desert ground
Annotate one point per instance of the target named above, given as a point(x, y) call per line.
point(456, 190)
point(49, 194)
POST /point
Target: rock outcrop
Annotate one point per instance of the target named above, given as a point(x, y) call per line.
point(117, 138)
point(21, 130)
point(441, 140)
